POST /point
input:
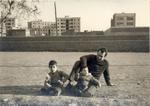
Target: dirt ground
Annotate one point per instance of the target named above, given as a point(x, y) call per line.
point(22, 75)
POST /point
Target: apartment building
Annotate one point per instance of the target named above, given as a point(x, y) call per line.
point(123, 20)
point(10, 23)
point(41, 28)
point(65, 24)
point(68, 24)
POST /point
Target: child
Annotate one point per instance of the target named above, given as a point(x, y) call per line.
point(54, 81)
point(84, 81)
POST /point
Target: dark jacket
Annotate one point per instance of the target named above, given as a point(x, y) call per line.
point(96, 66)
point(58, 75)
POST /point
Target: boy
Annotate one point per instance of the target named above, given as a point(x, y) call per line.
point(84, 81)
point(54, 81)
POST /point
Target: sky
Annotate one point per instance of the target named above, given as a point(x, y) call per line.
point(95, 14)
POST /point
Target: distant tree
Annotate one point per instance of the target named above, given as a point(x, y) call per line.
point(17, 8)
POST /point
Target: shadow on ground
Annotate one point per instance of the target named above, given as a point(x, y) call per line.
point(30, 95)
point(32, 90)
point(21, 90)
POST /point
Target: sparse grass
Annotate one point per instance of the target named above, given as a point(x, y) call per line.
point(22, 75)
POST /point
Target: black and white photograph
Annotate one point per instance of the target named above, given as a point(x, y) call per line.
point(74, 53)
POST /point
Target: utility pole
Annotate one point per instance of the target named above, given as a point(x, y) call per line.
point(56, 18)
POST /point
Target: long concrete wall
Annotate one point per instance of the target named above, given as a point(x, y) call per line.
point(79, 43)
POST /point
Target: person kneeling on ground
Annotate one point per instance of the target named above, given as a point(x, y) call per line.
point(54, 82)
point(84, 82)
point(94, 64)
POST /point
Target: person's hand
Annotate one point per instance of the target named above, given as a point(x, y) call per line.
point(60, 82)
point(73, 83)
point(48, 85)
point(99, 84)
point(65, 83)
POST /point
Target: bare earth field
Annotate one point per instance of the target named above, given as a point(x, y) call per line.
point(22, 75)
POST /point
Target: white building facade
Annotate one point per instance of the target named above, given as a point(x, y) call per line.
point(41, 28)
point(67, 23)
point(8, 24)
point(123, 20)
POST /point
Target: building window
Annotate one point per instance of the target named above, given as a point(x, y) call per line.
point(8, 23)
point(120, 18)
point(62, 26)
point(129, 18)
point(119, 23)
point(129, 23)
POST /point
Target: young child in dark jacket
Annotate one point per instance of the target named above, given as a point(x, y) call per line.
point(84, 81)
point(54, 81)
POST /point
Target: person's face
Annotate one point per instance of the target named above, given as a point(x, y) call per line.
point(86, 72)
point(101, 55)
point(53, 68)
